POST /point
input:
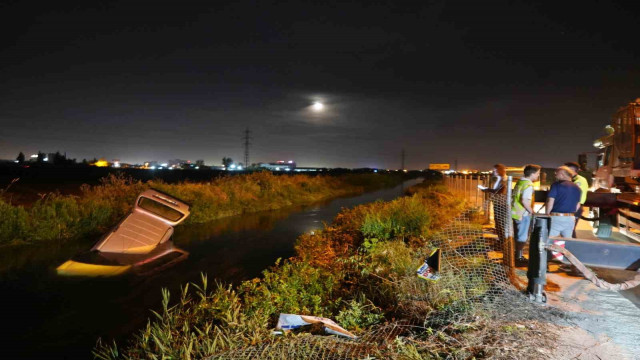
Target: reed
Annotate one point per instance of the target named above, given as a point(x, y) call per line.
point(60, 218)
point(334, 274)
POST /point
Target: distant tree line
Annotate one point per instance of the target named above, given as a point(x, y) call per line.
point(57, 159)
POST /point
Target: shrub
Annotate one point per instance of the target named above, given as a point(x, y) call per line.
point(294, 287)
point(359, 313)
point(363, 258)
point(58, 217)
point(401, 218)
point(13, 226)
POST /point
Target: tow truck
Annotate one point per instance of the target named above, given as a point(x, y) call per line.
point(615, 196)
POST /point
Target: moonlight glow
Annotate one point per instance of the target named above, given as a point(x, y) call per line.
point(317, 106)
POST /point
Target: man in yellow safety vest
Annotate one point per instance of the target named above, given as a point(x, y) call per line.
point(522, 208)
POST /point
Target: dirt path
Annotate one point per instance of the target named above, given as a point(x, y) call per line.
point(603, 324)
point(577, 343)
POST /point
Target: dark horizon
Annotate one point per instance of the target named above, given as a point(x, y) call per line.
point(505, 81)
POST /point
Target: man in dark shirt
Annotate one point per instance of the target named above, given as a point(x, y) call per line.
point(562, 203)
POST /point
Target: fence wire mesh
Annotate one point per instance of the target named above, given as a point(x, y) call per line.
point(494, 209)
point(477, 271)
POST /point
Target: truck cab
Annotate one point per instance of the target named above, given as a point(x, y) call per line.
point(619, 158)
point(618, 172)
point(603, 177)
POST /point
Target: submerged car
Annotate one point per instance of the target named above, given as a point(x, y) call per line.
point(139, 243)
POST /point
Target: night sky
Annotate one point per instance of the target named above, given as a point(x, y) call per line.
point(477, 81)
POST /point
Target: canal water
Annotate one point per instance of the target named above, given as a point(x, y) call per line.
point(48, 316)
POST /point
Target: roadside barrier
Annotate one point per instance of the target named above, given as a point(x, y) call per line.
point(589, 275)
point(541, 244)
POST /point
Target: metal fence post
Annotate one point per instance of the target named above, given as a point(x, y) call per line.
point(474, 189)
point(455, 184)
point(486, 200)
point(508, 223)
point(537, 270)
point(465, 186)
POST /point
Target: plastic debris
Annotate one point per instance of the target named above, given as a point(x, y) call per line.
point(292, 321)
point(431, 268)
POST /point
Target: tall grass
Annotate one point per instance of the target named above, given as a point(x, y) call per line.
point(58, 218)
point(341, 273)
point(334, 274)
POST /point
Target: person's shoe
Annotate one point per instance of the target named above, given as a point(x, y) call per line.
point(522, 261)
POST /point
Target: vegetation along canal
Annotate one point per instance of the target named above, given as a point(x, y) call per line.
point(48, 316)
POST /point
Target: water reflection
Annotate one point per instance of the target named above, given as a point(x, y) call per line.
point(56, 316)
point(264, 221)
point(97, 263)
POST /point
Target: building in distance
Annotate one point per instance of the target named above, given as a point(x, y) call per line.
point(280, 165)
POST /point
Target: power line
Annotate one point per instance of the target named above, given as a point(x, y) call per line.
point(246, 138)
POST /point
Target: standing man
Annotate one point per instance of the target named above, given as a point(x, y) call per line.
point(562, 203)
point(500, 210)
point(584, 188)
point(500, 184)
point(522, 208)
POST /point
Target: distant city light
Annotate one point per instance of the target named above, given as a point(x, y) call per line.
point(34, 156)
point(375, 170)
point(232, 166)
point(152, 168)
point(239, 167)
point(101, 163)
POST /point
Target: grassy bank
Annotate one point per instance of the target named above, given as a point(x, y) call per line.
point(57, 218)
point(360, 271)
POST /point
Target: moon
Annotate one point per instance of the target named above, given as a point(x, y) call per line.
point(317, 106)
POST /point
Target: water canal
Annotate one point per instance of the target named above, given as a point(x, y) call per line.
point(48, 316)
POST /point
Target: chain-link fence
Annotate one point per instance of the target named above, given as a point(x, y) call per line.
point(468, 187)
point(376, 344)
point(493, 211)
point(476, 269)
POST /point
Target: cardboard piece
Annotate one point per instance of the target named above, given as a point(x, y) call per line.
point(430, 270)
point(292, 321)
